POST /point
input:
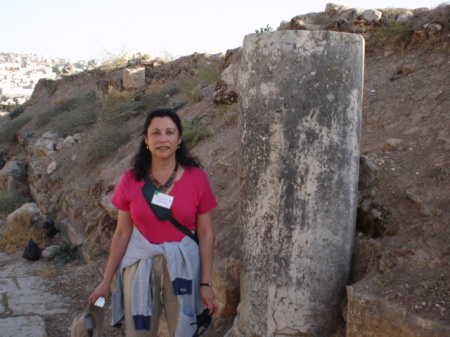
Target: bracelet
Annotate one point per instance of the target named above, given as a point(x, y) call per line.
point(209, 284)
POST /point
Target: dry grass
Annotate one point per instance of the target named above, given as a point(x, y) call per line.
point(9, 201)
point(121, 106)
point(394, 33)
point(157, 96)
point(228, 113)
point(9, 130)
point(106, 140)
point(118, 107)
point(114, 61)
point(70, 115)
point(19, 231)
point(210, 72)
point(76, 119)
point(191, 90)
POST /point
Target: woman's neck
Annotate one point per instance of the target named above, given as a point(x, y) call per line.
point(166, 165)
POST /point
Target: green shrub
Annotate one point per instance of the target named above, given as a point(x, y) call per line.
point(157, 96)
point(16, 113)
point(194, 131)
point(210, 72)
point(9, 202)
point(394, 33)
point(65, 253)
point(9, 130)
point(191, 90)
point(105, 141)
point(398, 32)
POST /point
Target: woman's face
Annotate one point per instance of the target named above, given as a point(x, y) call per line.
point(162, 137)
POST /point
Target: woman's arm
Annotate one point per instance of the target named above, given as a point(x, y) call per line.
point(205, 234)
point(119, 245)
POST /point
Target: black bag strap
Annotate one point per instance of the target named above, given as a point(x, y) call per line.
point(162, 213)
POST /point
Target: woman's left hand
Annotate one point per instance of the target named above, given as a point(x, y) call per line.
point(209, 299)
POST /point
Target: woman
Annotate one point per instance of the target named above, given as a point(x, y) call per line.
point(159, 269)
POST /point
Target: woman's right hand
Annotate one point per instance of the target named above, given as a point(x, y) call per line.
point(103, 290)
point(119, 245)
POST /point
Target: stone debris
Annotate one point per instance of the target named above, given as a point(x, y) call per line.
point(49, 251)
point(52, 167)
point(392, 144)
point(68, 142)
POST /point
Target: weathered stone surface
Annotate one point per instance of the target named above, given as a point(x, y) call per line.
point(13, 177)
point(23, 326)
point(77, 137)
point(46, 144)
point(370, 315)
point(52, 167)
point(368, 173)
point(29, 212)
point(412, 194)
point(133, 78)
point(406, 16)
point(332, 9)
point(225, 91)
point(105, 202)
point(59, 144)
point(300, 101)
point(25, 296)
point(49, 251)
point(75, 236)
point(68, 142)
point(371, 15)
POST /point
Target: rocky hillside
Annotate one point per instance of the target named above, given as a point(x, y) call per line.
point(76, 136)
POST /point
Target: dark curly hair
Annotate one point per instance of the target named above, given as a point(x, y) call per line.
point(142, 159)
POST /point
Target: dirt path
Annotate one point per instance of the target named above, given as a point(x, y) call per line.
point(40, 299)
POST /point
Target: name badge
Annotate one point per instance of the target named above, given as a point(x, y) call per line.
point(162, 200)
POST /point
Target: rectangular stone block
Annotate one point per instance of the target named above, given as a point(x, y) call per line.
point(133, 78)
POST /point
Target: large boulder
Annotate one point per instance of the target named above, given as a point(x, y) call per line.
point(13, 177)
point(28, 214)
point(46, 145)
point(133, 78)
point(225, 91)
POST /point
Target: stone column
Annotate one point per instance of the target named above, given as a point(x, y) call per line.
point(300, 103)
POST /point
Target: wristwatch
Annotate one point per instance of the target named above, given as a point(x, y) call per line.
point(209, 284)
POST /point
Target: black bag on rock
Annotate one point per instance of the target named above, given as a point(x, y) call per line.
point(32, 251)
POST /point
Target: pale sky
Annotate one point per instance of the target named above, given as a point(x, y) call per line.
point(87, 29)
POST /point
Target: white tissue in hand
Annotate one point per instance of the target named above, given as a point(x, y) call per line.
point(100, 302)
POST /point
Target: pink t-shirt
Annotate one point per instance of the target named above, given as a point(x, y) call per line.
point(192, 195)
